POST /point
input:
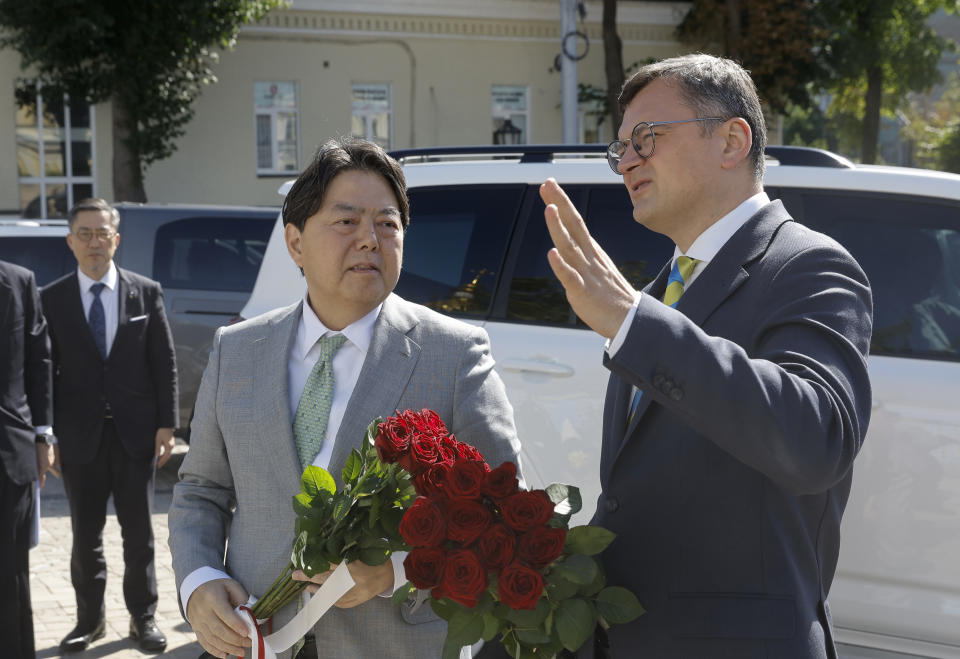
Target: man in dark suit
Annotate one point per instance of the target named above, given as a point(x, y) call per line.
point(738, 396)
point(115, 389)
point(26, 450)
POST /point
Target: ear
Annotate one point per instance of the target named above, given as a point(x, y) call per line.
point(737, 138)
point(70, 240)
point(293, 237)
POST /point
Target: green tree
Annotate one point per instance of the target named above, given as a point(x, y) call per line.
point(934, 128)
point(149, 60)
point(774, 39)
point(874, 53)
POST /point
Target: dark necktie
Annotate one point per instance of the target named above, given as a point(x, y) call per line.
point(97, 320)
point(681, 271)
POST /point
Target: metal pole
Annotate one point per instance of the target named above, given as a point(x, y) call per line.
point(568, 25)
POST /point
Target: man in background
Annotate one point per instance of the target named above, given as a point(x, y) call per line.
point(115, 392)
point(26, 449)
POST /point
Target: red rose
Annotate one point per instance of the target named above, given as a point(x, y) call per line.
point(540, 546)
point(415, 421)
point(423, 525)
point(392, 440)
point(464, 578)
point(496, 547)
point(447, 450)
point(465, 479)
point(433, 421)
point(466, 520)
point(469, 452)
point(524, 510)
point(422, 453)
point(519, 587)
point(431, 482)
point(424, 566)
point(502, 481)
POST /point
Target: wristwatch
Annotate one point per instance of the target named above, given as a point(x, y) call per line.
point(49, 440)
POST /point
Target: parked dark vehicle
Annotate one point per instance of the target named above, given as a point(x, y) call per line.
point(205, 257)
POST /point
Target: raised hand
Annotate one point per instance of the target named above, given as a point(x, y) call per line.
point(598, 293)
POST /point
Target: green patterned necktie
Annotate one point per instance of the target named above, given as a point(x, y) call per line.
point(313, 410)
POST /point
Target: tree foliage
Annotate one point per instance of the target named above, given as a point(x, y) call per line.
point(149, 59)
point(775, 40)
point(934, 128)
point(875, 52)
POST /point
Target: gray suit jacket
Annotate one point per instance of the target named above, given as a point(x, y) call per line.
point(727, 489)
point(242, 469)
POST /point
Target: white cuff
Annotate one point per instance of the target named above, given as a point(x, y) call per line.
point(614, 345)
point(196, 579)
point(399, 573)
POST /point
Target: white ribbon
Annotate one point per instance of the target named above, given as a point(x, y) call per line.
point(335, 587)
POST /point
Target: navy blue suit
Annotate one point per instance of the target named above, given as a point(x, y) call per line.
point(727, 489)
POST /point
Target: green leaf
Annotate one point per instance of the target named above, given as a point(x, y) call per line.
point(352, 468)
point(491, 625)
point(444, 608)
point(599, 581)
point(534, 636)
point(374, 515)
point(464, 628)
point(371, 433)
point(316, 480)
point(401, 593)
point(577, 568)
point(558, 588)
point(618, 605)
point(575, 622)
point(566, 499)
point(589, 540)
point(525, 618)
point(373, 555)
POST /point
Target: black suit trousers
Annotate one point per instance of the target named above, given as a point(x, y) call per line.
point(131, 482)
point(16, 615)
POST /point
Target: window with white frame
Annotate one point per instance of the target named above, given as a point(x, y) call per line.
point(55, 150)
point(509, 114)
point(276, 116)
point(592, 122)
point(370, 113)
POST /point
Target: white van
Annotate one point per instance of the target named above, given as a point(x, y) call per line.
point(476, 249)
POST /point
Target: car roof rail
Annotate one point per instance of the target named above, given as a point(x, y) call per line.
point(805, 156)
point(526, 152)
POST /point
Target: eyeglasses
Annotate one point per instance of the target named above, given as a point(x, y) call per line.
point(643, 140)
point(86, 235)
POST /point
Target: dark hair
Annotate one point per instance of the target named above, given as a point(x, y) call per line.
point(333, 158)
point(713, 87)
point(97, 205)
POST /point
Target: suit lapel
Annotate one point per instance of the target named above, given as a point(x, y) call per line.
point(271, 397)
point(386, 370)
point(128, 296)
point(720, 278)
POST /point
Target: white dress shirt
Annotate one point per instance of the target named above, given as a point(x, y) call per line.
point(108, 298)
point(347, 363)
point(704, 248)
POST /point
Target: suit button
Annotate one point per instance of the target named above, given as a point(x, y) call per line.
point(658, 379)
point(676, 393)
point(612, 504)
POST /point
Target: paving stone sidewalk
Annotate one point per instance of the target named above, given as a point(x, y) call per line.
point(54, 604)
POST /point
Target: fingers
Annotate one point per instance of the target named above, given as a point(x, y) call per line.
point(210, 611)
point(569, 218)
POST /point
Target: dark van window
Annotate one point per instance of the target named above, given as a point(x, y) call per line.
point(454, 248)
point(535, 294)
point(49, 257)
point(910, 250)
point(211, 253)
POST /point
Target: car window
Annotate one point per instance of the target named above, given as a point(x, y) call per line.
point(213, 253)
point(454, 248)
point(48, 257)
point(910, 250)
point(535, 294)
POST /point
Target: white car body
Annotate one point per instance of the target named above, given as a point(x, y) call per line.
point(897, 587)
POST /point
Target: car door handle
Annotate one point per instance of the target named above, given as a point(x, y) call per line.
point(537, 366)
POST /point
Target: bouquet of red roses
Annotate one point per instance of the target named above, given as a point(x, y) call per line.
point(499, 559)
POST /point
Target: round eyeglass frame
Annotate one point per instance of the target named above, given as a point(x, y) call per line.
point(617, 148)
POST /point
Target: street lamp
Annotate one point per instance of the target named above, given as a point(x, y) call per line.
point(507, 133)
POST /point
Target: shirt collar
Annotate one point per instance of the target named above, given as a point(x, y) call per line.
point(708, 243)
point(109, 279)
point(359, 332)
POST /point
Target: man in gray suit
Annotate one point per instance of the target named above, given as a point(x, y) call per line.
point(738, 396)
point(345, 219)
